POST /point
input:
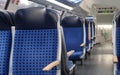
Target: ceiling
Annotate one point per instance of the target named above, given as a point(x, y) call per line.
point(90, 7)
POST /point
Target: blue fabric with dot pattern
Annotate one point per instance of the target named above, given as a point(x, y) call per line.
point(118, 41)
point(5, 49)
point(33, 50)
point(118, 45)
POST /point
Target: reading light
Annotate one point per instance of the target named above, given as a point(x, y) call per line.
point(60, 4)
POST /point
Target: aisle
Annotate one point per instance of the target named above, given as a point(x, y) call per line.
point(99, 63)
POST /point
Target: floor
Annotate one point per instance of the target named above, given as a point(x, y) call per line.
point(100, 62)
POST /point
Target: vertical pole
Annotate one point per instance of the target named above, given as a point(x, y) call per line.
point(7, 4)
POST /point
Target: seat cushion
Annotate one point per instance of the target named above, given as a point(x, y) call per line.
point(76, 56)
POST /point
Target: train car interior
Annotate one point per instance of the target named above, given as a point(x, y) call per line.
point(59, 37)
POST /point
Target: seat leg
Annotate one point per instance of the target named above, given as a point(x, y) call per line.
point(81, 60)
point(86, 56)
point(89, 53)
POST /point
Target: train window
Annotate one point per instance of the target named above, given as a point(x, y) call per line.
point(22, 4)
point(72, 3)
point(27, 3)
point(2, 4)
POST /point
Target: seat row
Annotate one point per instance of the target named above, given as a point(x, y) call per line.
point(41, 45)
point(116, 44)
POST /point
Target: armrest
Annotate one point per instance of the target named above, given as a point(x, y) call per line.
point(51, 65)
point(70, 53)
point(115, 59)
point(82, 45)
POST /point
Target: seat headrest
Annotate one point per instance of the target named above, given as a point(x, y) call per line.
point(36, 18)
point(12, 16)
point(5, 22)
point(118, 21)
point(72, 21)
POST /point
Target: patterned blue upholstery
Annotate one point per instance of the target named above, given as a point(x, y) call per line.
point(117, 44)
point(118, 40)
point(74, 36)
point(35, 45)
point(5, 42)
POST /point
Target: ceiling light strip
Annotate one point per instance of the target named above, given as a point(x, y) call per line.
point(60, 4)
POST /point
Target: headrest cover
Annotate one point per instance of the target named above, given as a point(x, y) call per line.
point(36, 18)
point(72, 21)
point(5, 22)
point(12, 16)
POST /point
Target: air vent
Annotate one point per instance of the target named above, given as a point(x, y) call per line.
point(109, 10)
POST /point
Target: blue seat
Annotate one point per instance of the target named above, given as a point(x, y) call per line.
point(94, 33)
point(69, 66)
point(87, 35)
point(5, 42)
point(36, 42)
point(117, 41)
point(91, 33)
point(73, 30)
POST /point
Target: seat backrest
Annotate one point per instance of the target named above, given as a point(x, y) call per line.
point(87, 32)
point(117, 40)
point(5, 42)
point(73, 32)
point(36, 41)
point(94, 31)
point(91, 31)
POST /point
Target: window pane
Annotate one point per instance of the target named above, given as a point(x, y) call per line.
point(2, 4)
